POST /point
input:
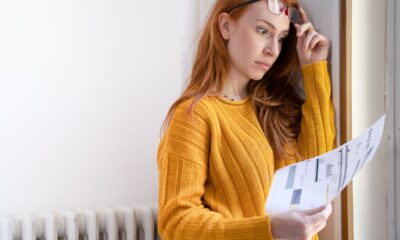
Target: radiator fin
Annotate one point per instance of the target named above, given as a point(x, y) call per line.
point(119, 223)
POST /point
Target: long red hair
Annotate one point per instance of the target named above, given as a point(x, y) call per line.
point(275, 97)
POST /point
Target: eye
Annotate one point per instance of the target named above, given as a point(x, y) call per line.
point(282, 38)
point(263, 31)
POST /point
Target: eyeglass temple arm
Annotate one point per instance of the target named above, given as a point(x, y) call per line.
point(240, 5)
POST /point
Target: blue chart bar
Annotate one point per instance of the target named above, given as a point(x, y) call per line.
point(296, 196)
point(291, 175)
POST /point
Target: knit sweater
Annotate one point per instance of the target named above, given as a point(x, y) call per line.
point(216, 168)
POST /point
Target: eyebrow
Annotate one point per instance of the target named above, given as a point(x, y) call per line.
point(271, 25)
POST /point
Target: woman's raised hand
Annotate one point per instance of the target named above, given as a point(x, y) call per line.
point(299, 224)
point(311, 45)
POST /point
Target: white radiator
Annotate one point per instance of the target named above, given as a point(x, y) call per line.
point(119, 223)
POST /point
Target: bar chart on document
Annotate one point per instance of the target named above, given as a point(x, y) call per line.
point(317, 181)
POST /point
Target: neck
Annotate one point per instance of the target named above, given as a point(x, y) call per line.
point(235, 85)
point(233, 94)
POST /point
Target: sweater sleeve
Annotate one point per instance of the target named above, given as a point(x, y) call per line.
point(317, 128)
point(183, 166)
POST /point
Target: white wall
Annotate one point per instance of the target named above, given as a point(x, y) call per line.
point(193, 15)
point(84, 87)
point(396, 114)
point(368, 96)
point(393, 116)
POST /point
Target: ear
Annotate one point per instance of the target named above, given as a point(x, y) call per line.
point(224, 21)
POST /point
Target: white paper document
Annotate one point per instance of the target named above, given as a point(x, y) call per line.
point(317, 181)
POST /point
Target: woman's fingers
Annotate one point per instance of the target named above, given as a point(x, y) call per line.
point(311, 36)
point(311, 45)
point(312, 211)
point(315, 216)
point(317, 38)
point(320, 216)
point(319, 227)
point(305, 27)
point(299, 224)
point(316, 221)
point(305, 31)
point(303, 15)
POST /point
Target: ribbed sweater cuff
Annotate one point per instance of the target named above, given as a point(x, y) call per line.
point(307, 67)
point(316, 81)
point(262, 228)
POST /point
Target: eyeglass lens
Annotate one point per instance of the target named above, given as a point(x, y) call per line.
point(275, 6)
point(294, 15)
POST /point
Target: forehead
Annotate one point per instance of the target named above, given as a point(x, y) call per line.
point(259, 10)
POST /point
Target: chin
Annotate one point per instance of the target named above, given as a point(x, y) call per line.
point(257, 76)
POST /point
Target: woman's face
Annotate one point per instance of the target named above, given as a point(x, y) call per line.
point(255, 40)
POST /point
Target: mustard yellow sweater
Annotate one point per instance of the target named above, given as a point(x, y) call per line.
point(215, 171)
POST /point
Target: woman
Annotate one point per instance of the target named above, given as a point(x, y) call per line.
point(239, 119)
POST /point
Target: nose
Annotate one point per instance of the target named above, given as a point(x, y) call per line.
point(273, 47)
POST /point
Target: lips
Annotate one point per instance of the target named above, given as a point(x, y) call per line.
point(264, 65)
